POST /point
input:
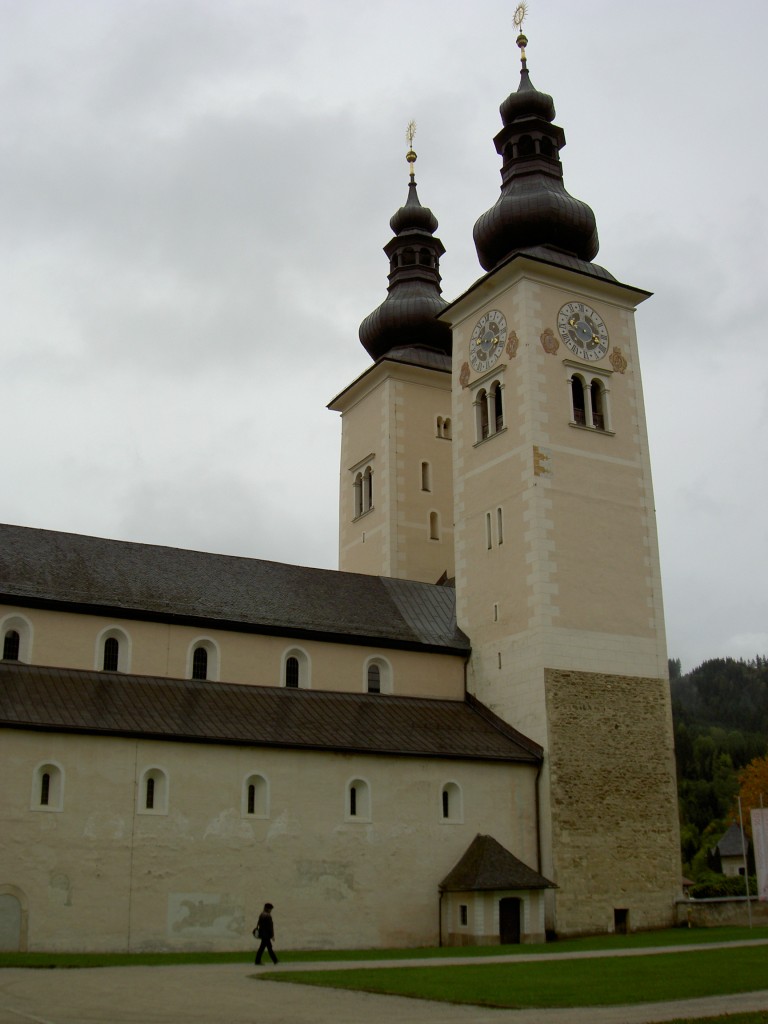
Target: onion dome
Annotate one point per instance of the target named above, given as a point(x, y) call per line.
point(406, 318)
point(533, 211)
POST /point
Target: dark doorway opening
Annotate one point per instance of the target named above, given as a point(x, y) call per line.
point(509, 920)
point(620, 920)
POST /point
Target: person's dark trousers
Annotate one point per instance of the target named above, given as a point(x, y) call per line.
point(265, 944)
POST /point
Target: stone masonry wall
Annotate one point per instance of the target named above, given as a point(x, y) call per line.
point(615, 838)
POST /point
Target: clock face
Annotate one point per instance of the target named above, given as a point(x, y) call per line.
point(488, 340)
point(583, 330)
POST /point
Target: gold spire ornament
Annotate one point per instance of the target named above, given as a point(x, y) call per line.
point(518, 18)
point(410, 156)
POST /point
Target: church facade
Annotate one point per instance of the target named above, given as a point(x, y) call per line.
point(463, 735)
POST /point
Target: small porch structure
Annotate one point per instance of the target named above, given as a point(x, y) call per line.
point(490, 897)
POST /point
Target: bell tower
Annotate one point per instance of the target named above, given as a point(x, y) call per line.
point(557, 567)
point(396, 494)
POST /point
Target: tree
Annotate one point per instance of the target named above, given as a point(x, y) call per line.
point(753, 789)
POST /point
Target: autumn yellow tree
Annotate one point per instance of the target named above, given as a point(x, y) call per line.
point(753, 790)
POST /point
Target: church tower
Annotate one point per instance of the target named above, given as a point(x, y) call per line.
point(396, 495)
point(557, 566)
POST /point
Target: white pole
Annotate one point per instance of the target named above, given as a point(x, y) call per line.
point(746, 869)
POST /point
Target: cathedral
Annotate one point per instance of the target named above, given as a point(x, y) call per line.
point(464, 734)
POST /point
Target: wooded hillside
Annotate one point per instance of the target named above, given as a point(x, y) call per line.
point(720, 713)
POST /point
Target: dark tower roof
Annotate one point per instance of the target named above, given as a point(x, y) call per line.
point(406, 318)
point(534, 213)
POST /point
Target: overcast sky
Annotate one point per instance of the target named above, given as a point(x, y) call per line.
point(194, 197)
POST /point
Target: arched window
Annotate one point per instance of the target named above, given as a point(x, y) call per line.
point(577, 394)
point(426, 476)
point(597, 395)
point(255, 797)
point(16, 632)
point(409, 258)
point(111, 654)
point(434, 526)
point(48, 787)
point(546, 148)
point(358, 487)
point(374, 678)
point(203, 659)
point(113, 650)
point(367, 489)
point(481, 415)
point(425, 258)
point(153, 792)
point(447, 429)
point(295, 668)
point(498, 407)
point(451, 808)
point(200, 663)
point(377, 675)
point(358, 800)
point(11, 645)
point(525, 146)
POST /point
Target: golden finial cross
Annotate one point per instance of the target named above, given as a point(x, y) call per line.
point(410, 133)
point(519, 16)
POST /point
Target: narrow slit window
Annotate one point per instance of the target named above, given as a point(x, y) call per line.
point(498, 408)
point(353, 801)
point(434, 526)
point(481, 415)
point(292, 672)
point(374, 679)
point(426, 477)
point(499, 526)
point(200, 663)
point(45, 789)
point(11, 645)
point(111, 654)
point(252, 799)
point(149, 796)
point(488, 531)
point(367, 490)
point(598, 405)
point(579, 408)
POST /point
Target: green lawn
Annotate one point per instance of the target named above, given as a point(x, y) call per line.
point(668, 937)
point(590, 982)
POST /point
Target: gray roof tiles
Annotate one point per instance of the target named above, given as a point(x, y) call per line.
point(39, 567)
point(488, 866)
point(110, 703)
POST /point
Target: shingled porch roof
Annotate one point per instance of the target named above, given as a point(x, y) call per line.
point(488, 866)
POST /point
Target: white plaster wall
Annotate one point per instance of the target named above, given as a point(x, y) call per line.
point(99, 876)
point(69, 640)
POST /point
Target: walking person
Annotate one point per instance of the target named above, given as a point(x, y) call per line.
point(265, 931)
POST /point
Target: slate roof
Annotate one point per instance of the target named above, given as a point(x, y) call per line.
point(487, 866)
point(111, 703)
point(43, 568)
point(730, 844)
